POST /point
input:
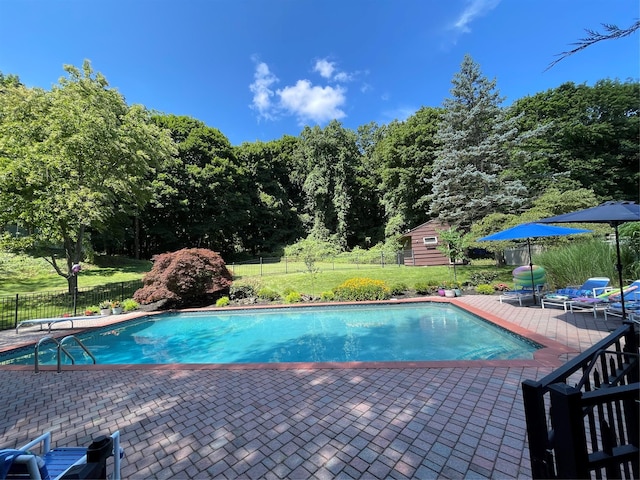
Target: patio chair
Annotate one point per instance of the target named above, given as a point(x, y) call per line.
point(525, 283)
point(520, 294)
point(631, 306)
point(59, 463)
point(563, 297)
point(602, 301)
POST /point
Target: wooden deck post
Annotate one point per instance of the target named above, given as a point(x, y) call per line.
point(570, 442)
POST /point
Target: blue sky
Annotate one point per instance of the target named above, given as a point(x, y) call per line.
point(260, 69)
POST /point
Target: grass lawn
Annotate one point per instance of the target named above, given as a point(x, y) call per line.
point(22, 274)
point(330, 276)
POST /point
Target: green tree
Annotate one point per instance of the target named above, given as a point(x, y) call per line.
point(366, 224)
point(200, 196)
point(275, 200)
point(329, 156)
point(404, 158)
point(476, 143)
point(592, 141)
point(70, 159)
point(454, 245)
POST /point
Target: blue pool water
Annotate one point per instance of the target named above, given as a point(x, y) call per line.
point(363, 333)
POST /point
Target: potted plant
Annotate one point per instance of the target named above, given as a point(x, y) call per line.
point(450, 289)
point(116, 307)
point(105, 307)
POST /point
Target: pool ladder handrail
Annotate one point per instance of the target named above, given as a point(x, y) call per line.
point(60, 348)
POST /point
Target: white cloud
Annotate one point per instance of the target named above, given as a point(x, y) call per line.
point(261, 89)
point(343, 77)
point(330, 71)
point(305, 101)
point(474, 9)
point(325, 68)
point(308, 102)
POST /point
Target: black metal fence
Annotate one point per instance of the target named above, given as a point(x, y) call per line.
point(591, 427)
point(292, 264)
point(26, 306)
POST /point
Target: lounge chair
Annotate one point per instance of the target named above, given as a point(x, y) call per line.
point(58, 463)
point(525, 283)
point(52, 321)
point(602, 301)
point(631, 305)
point(563, 297)
point(520, 294)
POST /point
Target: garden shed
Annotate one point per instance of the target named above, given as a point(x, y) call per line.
point(420, 245)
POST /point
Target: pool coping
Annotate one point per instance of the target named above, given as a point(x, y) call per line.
point(550, 355)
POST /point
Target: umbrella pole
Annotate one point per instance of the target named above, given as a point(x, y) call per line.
point(533, 287)
point(619, 268)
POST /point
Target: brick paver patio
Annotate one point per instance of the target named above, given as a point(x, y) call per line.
point(450, 421)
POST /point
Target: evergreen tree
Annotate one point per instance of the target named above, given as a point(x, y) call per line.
point(476, 143)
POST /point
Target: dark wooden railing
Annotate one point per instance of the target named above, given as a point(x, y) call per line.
point(593, 427)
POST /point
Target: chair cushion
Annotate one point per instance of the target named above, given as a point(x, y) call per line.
point(575, 292)
point(556, 296)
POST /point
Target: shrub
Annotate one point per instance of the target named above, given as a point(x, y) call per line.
point(399, 288)
point(358, 289)
point(186, 277)
point(239, 290)
point(268, 294)
point(129, 305)
point(485, 276)
point(423, 288)
point(484, 289)
point(92, 310)
point(328, 296)
point(293, 297)
point(222, 302)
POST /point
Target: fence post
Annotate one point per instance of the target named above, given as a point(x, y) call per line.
point(15, 319)
point(540, 455)
point(570, 440)
point(260, 266)
point(382, 259)
point(286, 265)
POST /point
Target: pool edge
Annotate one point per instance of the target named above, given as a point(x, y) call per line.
point(550, 355)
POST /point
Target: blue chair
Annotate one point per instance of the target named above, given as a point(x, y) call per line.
point(77, 462)
point(605, 300)
point(564, 296)
point(631, 304)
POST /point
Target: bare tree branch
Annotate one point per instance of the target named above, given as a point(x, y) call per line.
point(611, 32)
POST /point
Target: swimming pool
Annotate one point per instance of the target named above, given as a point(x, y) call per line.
point(353, 333)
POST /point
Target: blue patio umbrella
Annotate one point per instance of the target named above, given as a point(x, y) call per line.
point(532, 230)
point(613, 213)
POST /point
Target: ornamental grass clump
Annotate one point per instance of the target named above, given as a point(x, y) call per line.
point(359, 289)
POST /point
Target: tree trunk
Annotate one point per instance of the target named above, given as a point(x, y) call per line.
point(136, 237)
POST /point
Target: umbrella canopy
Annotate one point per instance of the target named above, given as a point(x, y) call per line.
point(532, 230)
point(613, 213)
